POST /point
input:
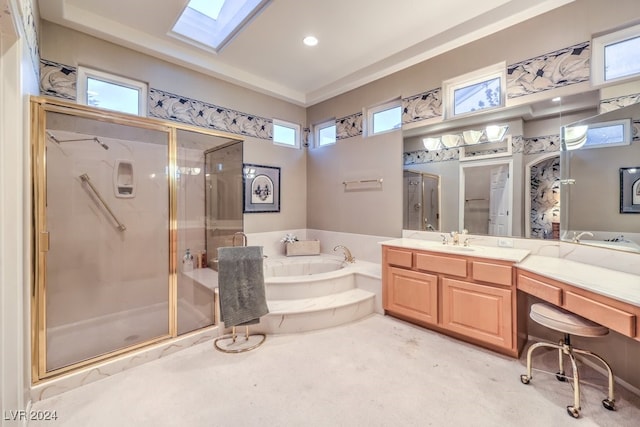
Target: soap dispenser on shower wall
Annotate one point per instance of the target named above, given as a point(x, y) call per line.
point(123, 179)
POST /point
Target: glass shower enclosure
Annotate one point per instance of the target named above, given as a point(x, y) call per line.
point(117, 201)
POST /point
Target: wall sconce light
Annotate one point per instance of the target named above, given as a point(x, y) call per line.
point(431, 143)
point(496, 133)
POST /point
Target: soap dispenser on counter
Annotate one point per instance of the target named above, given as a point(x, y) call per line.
point(187, 261)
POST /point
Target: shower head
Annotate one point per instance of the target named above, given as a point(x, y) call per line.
point(95, 138)
point(102, 144)
point(53, 138)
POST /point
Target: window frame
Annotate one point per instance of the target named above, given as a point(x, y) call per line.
point(296, 128)
point(324, 125)
point(598, 57)
point(450, 86)
point(85, 73)
point(372, 111)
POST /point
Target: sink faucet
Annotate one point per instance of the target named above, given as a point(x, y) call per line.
point(455, 238)
point(347, 253)
point(576, 237)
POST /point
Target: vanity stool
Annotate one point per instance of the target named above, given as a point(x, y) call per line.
point(556, 318)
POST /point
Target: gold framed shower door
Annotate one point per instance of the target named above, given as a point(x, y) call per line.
point(40, 107)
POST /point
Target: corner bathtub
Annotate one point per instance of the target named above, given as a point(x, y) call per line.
point(313, 276)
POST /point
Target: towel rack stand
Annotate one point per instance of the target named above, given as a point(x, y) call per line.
point(234, 336)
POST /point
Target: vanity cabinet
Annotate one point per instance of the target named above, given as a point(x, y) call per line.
point(616, 315)
point(413, 294)
point(477, 311)
point(466, 297)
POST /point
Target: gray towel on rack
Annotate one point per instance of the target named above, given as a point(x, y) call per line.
point(241, 285)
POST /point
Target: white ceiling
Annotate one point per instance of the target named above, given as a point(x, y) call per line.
point(360, 40)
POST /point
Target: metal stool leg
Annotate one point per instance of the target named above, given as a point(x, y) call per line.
point(526, 378)
point(574, 410)
point(560, 376)
point(610, 401)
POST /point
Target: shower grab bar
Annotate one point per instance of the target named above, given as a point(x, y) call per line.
point(85, 178)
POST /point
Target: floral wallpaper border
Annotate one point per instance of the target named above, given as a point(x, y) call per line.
point(349, 126)
point(423, 106)
point(556, 69)
point(612, 104)
point(165, 105)
point(561, 68)
point(59, 80)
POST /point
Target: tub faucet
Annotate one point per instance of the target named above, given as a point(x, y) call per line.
point(576, 237)
point(347, 253)
point(243, 238)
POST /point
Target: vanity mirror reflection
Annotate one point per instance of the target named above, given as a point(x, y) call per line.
point(506, 185)
point(600, 160)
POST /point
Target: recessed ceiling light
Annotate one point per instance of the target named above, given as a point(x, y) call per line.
point(310, 41)
point(556, 99)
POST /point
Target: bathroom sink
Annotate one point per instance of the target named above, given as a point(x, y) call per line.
point(459, 248)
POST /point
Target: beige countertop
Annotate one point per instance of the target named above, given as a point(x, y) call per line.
point(611, 283)
point(503, 254)
point(621, 286)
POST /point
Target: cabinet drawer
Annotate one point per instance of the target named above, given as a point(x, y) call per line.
point(492, 273)
point(542, 290)
point(442, 264)
point(608, 316)
point(399, 258)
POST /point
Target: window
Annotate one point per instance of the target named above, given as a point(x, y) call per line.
point(384, 118)
point(285, 133)
point(603, 134)
point(325, 133)
point(105, 90)
point(213, 23)
point(616, 56)
point(476, 91)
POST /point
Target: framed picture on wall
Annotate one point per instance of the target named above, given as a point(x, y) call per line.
point(261, 188)
point(630, 190)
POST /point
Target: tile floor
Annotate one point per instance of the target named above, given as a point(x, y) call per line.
point(378, 371)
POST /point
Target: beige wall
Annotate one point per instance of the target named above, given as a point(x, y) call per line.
point(70, 47)
point(373, 211)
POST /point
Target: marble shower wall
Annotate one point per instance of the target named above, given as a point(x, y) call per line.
point(91, 260)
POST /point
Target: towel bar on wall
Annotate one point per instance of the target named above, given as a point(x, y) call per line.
point(363, 184)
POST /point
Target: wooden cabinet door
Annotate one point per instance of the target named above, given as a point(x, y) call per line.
point(412, 294)
point(478, 311)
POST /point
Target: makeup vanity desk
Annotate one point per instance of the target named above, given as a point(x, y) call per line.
point(608, 297)
point(479, 294)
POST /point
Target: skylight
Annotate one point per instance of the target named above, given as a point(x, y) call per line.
point(211, 8)
point(213, 23)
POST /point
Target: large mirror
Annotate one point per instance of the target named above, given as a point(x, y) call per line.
point(556, 194)
point(600, 164)
point(498, 172)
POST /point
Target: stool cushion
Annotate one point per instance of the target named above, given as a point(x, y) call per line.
point(556, 318)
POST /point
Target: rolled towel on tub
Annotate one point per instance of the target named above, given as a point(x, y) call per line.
point(241, 285)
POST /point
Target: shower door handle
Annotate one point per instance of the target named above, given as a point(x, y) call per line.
point(43, 244)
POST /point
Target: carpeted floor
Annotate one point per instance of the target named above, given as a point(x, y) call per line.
point(376, 372)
